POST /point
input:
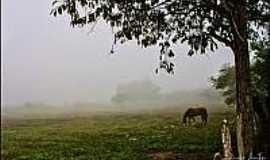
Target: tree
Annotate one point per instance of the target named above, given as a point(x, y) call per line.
point(261, 87)
point(199, 23)
point(225, 82)
point(260, 75)
point(136, 92)
point(260, 78)
point(260, 68)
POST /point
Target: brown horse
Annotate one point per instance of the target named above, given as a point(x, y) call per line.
point(191, 113)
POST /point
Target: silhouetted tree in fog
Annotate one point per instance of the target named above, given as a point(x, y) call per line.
point(199, 23)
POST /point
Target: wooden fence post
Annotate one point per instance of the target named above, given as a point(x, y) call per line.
point(226, 143)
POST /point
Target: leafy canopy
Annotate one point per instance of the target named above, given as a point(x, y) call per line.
point(260, 75)
point(199, 23)
point(225, 82)
point(260, 68)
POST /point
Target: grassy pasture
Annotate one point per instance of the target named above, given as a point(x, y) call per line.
point(115, 136)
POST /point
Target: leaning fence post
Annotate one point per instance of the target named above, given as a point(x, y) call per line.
point(226, 141)
point(226, 153)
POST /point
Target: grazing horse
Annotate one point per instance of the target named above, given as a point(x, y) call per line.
point(191, 113)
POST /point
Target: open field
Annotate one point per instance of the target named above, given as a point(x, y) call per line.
point(115, 136)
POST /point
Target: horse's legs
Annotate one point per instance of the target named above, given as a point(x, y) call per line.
point(189, 121)
point(204, 119)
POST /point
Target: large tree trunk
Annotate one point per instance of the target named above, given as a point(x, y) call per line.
point(245, 118)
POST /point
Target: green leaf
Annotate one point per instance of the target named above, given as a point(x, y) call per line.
point(60, 10)
point(191, 52)
point(171, 54)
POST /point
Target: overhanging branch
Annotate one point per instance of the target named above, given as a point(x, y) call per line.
point(221, 39)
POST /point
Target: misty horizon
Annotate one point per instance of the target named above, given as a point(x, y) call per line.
point(45, 60)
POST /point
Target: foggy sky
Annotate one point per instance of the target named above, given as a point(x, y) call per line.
point(45, 60)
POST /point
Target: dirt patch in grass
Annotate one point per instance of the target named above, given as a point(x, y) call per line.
point(169, 155)
point(165, 156)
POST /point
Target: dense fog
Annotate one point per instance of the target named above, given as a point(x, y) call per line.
point(47, 63)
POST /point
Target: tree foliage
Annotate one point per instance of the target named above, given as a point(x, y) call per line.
point(260, 75)
point(199, 23)
point(137, 91)
point(260, 68)
point(225, 82)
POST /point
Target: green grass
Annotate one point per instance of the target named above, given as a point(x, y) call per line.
point(108, 137)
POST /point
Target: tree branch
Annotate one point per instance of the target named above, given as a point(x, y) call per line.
point(221, 39)
point(237, 30)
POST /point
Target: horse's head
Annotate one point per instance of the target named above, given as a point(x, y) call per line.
point(184, 120)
